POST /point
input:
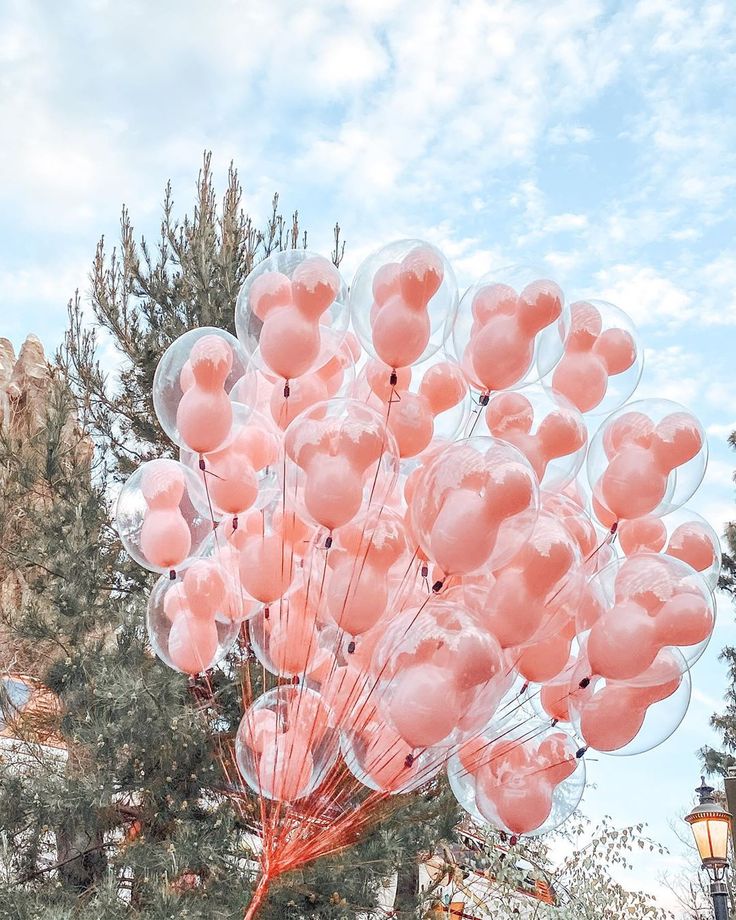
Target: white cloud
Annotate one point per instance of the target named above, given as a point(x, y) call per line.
point(648, 296)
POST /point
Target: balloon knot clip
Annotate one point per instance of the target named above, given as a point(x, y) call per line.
point(235, 522)
point(409, 760)
point(437, 586)
point(581, 752)
point(393, 379)
point(172, 574)
point(484, 399)
point(202, 464)
point(513, 840)
point(266, 613)
point(328, 542)
point(425, 571)
point(554, 722)
point(287, 391)
point(585, 682)
point(351, 647)
point(524, 688)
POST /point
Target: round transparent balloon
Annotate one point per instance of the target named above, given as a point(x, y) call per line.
point(205, 364)
point(403, 302)
point(427, 401)
point(359, 574)
point(382, 760)
point(222, 550)
point(474, 505)
point(334, 378)
point(193, 619)
point(341, 460)
point(435, 664)
point(649, 457)
point(535, 595)
point(523, 780)
point(287, 636)
point(161, 515)
point(602, 362)
point(684, 534)
point(270, 544)
point(286, 743)
point(511, 329)
point(546, 428)
point(292, 313)
point(650, 602)
point(623, 718)
point(244, 473)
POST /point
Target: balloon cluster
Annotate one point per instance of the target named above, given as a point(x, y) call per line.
point(436, 523)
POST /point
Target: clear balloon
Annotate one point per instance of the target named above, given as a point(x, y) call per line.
point(341, 460)
point(525, 779)
point(602, 361)
point(403, 302)
point(647, 458)
point(683, 534)
point(286, 743)
point(511, 329)
point(474, 505)
point(651, 602)
point(161, 515)
point(192, 619)
point(191, 387)
point(291, 314)
point(629, 717)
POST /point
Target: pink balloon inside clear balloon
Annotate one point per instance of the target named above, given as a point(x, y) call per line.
point(205, 413)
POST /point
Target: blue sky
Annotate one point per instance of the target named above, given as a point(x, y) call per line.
point(597, 139)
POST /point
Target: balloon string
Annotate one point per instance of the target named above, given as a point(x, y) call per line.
point(481, 404)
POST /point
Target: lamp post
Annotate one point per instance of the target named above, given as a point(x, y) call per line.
point(711, 826)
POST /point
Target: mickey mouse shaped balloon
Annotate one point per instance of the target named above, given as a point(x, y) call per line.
point(403, 301)
point(291, 313)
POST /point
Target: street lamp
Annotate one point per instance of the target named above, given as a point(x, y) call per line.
point(711, 826)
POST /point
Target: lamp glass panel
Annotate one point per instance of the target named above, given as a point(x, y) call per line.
point(711, 837)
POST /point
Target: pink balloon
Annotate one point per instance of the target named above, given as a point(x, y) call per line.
point(290, 339)
point(205, 414)
point(260, 730)
point(192, 643)
point(612, 716)
point(205, 588)
point(265, 567)
point(501, 344)
point(510, 416)
point(400, 319)
point(646, 534)
point(335, 454)
point(590, 357)
point(691, 543)
point(285, 767)
point(165, 535)
point(424, 705)
point(464, 532)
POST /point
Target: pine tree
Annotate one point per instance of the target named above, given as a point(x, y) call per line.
point(725, 722)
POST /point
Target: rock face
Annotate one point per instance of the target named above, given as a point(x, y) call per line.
point(25, 384)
